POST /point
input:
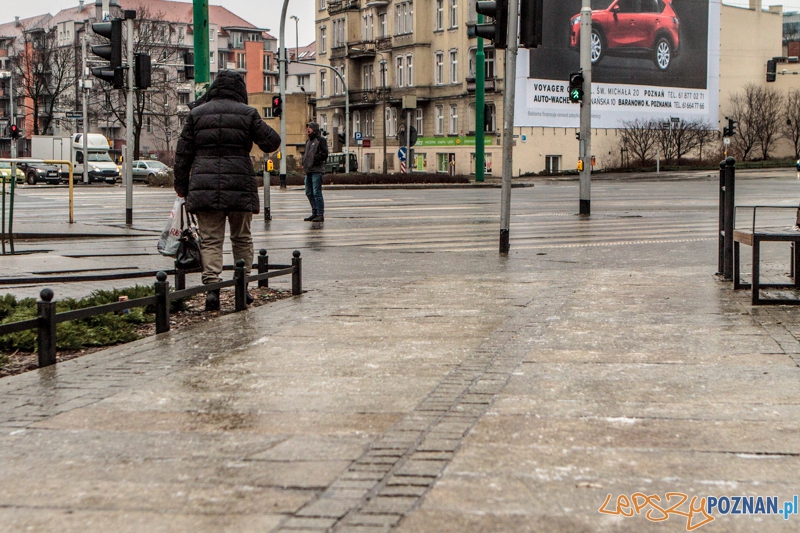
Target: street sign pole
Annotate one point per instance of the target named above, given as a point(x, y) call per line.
point(480, 101)
point(85, 90)
point(128, 161)
point(508, 126)
point(586, 109)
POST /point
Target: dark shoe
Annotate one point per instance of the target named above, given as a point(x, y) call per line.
point(249, 298)
point(310, 218)
point(318, 218)
point(212, 300)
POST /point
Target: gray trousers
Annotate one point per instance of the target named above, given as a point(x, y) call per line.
point(212, 230)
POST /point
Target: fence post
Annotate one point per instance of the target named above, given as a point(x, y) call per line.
point(180, 278)
point(263, 262)
point(47, 328)
point(240, 276)
point(162, 302)
point(297, 273)
point(721, 244)
point(730, 184)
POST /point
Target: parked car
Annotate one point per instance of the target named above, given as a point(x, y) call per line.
point(5, 172)
point(145, 168)
point(335, 163)
point(39, 172)
point(631, 27)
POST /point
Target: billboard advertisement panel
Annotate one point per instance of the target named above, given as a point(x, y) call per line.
point(650, 59)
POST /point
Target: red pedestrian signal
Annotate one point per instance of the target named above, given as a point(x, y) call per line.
point(14, 131)
point(276, 106)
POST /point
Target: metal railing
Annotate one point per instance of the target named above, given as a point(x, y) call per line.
point(47, 318)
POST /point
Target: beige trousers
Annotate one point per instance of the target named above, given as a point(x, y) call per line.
point(212, 230)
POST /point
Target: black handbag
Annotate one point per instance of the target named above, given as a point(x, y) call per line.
point(189, 256)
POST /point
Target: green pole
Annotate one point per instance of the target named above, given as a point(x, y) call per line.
point(480, 99)
point(202, 74)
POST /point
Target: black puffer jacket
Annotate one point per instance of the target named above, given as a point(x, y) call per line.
point(213, 170)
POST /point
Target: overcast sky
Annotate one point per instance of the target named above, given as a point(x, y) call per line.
point(262, 13)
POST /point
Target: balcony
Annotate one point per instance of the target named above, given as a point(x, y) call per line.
point(338, 52)
point(362, 49)
point(383, 43)
point(339, 6)
point(488, 85)
point(365, 97)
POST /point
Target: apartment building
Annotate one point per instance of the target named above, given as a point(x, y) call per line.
point(234, 44)
point(386, 50)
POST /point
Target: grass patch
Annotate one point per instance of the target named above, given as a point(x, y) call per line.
point(102, 330)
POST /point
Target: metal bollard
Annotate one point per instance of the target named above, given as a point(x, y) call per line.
point(263, 262)
point(162, 302)
point(730, 194)
point(297, 273)
point(47, 328)
point(241, 285)
point(180, 278)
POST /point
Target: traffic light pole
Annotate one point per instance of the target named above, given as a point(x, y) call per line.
point(585, 143)
point(202, 74)
point(282, 88)
point(508, 125)
point(480, 101)
point(85, 94)
point(129, 155)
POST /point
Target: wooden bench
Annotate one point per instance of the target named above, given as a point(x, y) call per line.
point(753, 238)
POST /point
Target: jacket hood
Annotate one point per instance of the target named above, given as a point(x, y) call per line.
point(314, 126)
point(228, 85)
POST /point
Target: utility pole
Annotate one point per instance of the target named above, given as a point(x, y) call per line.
point(202, 74)
point(585, 144)
point(480, 102)
point(508, 125)
point(129, 155)
point(85, 86)
point(282, 83)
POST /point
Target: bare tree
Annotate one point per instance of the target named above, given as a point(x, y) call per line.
point(706, 134)
point(640, 138)
point(768, 118)
point(791, 126)
point(743, 110)
point(45, 71)
point(665, 139)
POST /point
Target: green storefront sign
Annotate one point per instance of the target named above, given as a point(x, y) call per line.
point(423, 142)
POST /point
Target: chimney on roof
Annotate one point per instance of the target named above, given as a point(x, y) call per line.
point(16, 21)
point(755, 5)
point(80, 6)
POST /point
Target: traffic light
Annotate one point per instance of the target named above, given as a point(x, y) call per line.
point(771, 70)
point(14, 131)
point(576, 87)
point(188, 65)
point(341, 138)
point(578, 135)
point(112, 52)
point(530, 23)
point(277, 107)
point(732, 127)
point(497, 30)
point(142, 70)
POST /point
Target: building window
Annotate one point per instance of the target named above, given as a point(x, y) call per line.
point(453, 13)
point(323, 122)
point(356, 121)
point(211, 56)
point(489, 63)
point(552, 163)
point(338, 86)
point(438, 17)
point(442, 162)
point(410, 70)
point(322, 4)
point(266, 112)
point(487, 163)
point(453, 66)
point(421, 162)
point(398, 71)
point(453, 119)
point(439, 120)
point(368, 27)
point(267, 84)
point(323, 39)
point(240, 61)
point(148, 124)
point(405, 17)
point(369, 124)
point(212, 34)
point(183, 98)
point(323, 84)
point(438, 68)
point(382, 24)
point(391, 122)
point(253, 37)
point(267, 62)
point(419, 121)
point(339, 29)
point(368, 77)
point(490, 116)
point(302, 80)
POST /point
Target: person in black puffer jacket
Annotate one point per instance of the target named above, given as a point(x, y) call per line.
point(213, 171)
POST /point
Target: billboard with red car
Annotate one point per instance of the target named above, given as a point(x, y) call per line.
point(650, 59)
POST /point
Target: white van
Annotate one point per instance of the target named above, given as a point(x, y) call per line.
point(101, 166)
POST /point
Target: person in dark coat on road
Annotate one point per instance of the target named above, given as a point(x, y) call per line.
point(213, 171)
point(314, 158)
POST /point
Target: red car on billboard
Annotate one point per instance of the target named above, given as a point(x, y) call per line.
point(631, 28)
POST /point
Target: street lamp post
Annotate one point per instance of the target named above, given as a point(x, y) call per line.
point(296, 38)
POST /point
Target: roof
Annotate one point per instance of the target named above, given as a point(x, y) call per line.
point(15, 29)
point(307, 53)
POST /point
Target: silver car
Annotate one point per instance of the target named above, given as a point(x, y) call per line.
point(144, 169)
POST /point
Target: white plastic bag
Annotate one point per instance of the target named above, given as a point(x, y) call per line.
point(171, 236)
